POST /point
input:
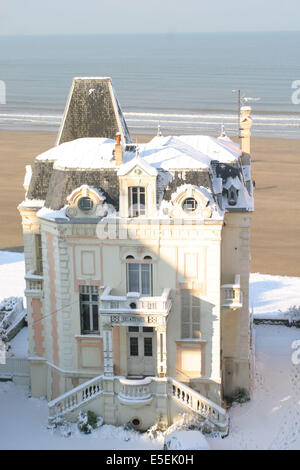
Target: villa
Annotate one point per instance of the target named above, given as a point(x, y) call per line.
point(137, 267)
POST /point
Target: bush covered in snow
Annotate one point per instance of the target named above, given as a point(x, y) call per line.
point(188, 422)
point(240, 395)
point(88, 421)
point(157, 430)
point(3, 335)
point(294, 314)
point(8, 304)
point(10, 308)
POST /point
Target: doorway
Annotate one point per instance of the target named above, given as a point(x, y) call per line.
point(140, 351)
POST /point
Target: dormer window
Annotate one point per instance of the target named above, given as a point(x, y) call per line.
point(136, 201)
point(189, 204)
point(85, 203)
point(232, 196)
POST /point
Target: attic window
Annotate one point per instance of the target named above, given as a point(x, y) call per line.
point(85, 203)
point(189, 204)
point(136, 201)
point(232, 196)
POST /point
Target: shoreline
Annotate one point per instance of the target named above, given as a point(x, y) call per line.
point(275, 233)
point(147, 135)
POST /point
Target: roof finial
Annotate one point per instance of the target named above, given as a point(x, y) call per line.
point(159, 134)
point(137, 149)
point(223, 133)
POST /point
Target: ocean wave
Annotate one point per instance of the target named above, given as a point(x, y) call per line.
point(224, 116)
point(171, 122)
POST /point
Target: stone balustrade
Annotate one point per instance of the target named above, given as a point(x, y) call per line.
point(138, 393)
point(76, 397)
point(232, 294)
point(135, 391)
point(134, 302)
point(34, 284)
point(198, 403)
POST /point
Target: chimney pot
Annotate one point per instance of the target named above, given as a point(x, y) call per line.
point(118, 150)
point(245, 128)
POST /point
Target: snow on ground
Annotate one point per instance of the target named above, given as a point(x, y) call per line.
point(271, 420)
point(19, 344)
point(12, 271)
point(23, 425)
point(273, 295)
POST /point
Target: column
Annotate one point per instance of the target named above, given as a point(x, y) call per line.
point(161, 351)
point(108, 352)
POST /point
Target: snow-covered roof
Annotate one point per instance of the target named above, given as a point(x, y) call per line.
point(173, 159)
point(85, 153)
point(172, 153)
point(183, 152)
point(187, 152)
point(137, 161)
point(221, 149)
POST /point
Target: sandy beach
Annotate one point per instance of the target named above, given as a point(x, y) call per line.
point(275, 239)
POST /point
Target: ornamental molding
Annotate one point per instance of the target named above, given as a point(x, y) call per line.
point(130, 319)
point(203, 209)
point(85, 191)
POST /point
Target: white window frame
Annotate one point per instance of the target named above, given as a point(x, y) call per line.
point(90, 291)
point(136, 210)
point(190, 323)
point(139, 264)
point(38, 254)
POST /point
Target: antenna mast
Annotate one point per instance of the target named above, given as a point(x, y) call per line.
point(238, 111)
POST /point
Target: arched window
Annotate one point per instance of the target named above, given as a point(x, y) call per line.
point(136, 201)
point(139, 276)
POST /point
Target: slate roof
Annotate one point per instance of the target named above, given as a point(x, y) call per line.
point(176, 161)
point(92, 110)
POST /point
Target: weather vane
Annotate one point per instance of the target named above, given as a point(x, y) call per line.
point(242, 100)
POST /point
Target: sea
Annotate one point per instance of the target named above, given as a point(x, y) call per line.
point(182, 82)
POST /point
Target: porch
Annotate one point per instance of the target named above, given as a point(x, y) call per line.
point(143, 316)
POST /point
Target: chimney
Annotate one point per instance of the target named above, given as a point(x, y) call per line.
point(245, 126)
point(118, 150)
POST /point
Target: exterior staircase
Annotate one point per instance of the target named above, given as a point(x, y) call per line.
point(138, 393)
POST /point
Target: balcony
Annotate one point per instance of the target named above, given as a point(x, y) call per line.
point(135, 392)
point(232, 296)
point(135, 309)
point(34, 284)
